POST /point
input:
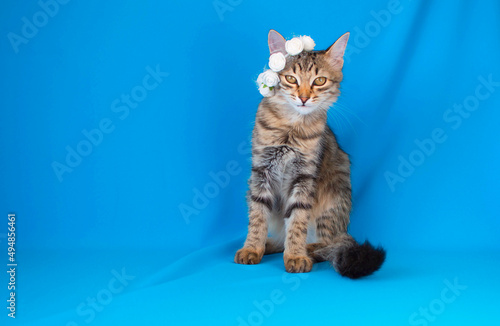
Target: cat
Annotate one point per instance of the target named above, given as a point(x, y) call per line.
point(300, 176)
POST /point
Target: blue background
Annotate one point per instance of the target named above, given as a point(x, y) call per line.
point(121, 208)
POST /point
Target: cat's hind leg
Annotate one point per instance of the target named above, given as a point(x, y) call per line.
point(313, 249)
point(331, 221)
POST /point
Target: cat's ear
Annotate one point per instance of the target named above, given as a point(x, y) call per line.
point(335, 53)
point(276, 42)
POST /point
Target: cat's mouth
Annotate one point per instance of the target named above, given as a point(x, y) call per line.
point(308, 104)
point(304, 109)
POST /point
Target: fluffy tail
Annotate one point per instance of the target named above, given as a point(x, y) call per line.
point(350, 258)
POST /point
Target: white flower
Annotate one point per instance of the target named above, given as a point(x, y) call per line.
point(267, 81)
point(294, 46)
point(266, 91)
point(277, 61)
point(270, 78)
point(308, 43)
point(260, 80)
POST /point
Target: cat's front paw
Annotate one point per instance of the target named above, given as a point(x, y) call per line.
point(298, 264)
point(248, 256)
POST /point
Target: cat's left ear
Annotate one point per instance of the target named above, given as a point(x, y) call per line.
point(335, 53)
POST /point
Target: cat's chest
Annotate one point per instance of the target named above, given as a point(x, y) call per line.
point(278, 155)
point(280, 161)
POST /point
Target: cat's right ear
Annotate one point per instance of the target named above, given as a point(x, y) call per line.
point(276, 42)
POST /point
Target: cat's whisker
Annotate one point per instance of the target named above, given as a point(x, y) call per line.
point(345, 109)
point(347, 119)
point(337, 122)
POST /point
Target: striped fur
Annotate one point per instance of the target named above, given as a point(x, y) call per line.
point(300, 181)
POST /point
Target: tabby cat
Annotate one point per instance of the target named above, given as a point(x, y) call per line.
point(300, 177)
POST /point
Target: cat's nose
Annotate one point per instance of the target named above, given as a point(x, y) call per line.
point(304, 99)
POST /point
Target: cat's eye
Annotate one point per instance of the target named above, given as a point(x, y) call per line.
point(320, 81)
point(291, 79)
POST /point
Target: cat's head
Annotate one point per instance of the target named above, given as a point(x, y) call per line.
point(310, 80)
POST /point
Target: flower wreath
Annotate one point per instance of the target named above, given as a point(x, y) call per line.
point(269, 79)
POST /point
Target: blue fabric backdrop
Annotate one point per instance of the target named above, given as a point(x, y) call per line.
point(125, 152)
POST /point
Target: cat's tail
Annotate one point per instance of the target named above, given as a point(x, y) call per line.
point(350, 258)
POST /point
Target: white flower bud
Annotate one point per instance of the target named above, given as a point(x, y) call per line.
point(294, 46)
point(270, 78)
point(308, 43)
point(277, 61)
